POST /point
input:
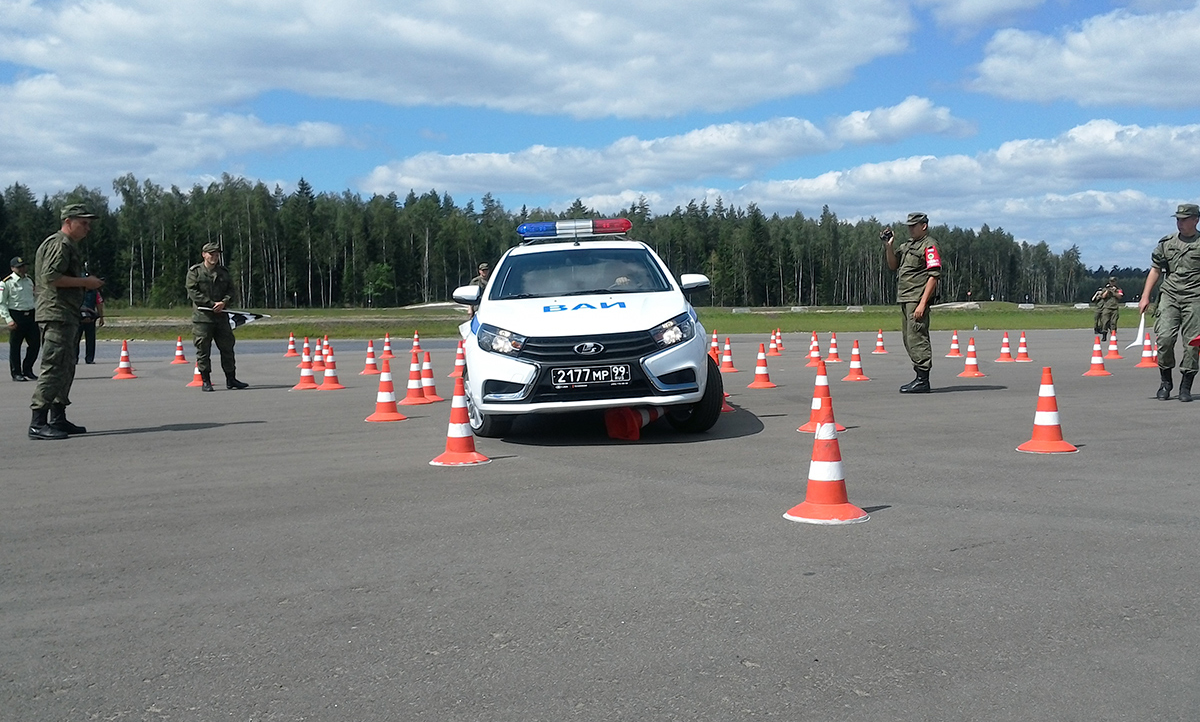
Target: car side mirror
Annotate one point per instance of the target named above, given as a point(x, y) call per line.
point(467, 295)
point(690, 282)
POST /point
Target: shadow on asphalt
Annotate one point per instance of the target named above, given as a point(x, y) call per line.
point(170, 427)
point(587, 429)
point(955, 389)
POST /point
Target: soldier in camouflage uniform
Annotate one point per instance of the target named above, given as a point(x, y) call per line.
point(1108, 307)
point(918, 267)
point(1176, 260)
point(210, 289)
point(61, 283)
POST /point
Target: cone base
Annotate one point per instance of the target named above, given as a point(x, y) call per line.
point(455, 374)
point(406, 401)
point(1024, 360)
point(1144, 365)
point(1101, 372)
point(954, 355)
point(728, 370)
point(433, 398)
point(834, 361)
point(180, 361)
point(1003, 360)
point(386, 416)
point(460, 458)
point(878, 353)
point(761, 385)
point(774, 353)
point(1110, 357)
point(290, 354)
point(811, 427)
point(859, 377)
point(195, 384)
point(305, 387)
point(123, 376)
point(809, 513)
point(1033, 446)
point(725, 407)
point(972, 375)
point(369, 372)
point(330, 387)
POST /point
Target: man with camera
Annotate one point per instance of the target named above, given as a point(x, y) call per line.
point(1108, 300)
point(918, 266)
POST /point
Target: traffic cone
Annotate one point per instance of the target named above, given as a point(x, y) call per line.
point(1097, 367)
point(714, 350)
point(460, 442)
point(387, 347)
point(1005, 351)
point(318, 358)
point(370, 368)
point(1023, 351)
point(822, 403)
point(825, 501)
point(307, 380)
point(955, 351)
point(331, 382)
point(971, 369)
point(856, 372)
point(779, 340)
point(626, 423)
point(1047, 432)
point(814, 352)
point(460, 362)
point(1149, 358)
point(179, 359)
point(1113, 351)
point(414, 396)
point(124, 368)
point(197, 379)
point(307, 352)
point(385, 398)
point(427, 386)
point(416, 342)
point(773, 348)
point(725, 406)
point(762, 379)
point(291, 349)
point(879, 343)
point(833, 357)
point(727, 360)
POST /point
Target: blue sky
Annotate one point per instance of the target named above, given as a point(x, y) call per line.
point(1063, 121)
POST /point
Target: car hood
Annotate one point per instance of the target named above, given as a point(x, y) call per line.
point(577, 315)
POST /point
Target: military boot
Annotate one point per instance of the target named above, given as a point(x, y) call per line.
point(58, 420)
point(1164, 390)
point(919, 385)
point(1185, 385)
point(231, 382)
point(39, 428)
point(206, 381)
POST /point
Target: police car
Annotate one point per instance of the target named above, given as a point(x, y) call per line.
point(579, 316)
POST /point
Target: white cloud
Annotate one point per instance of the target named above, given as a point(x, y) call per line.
point(1120, 58)
point(912, 117)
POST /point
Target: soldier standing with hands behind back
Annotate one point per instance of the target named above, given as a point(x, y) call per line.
point(16, 308)
point(210, 289)
point(918, 267)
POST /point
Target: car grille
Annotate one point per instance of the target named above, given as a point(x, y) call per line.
point(560, 350)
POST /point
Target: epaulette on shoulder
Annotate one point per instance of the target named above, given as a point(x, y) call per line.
point(1167, 237)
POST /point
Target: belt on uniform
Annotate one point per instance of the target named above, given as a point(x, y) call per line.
point(24, 315)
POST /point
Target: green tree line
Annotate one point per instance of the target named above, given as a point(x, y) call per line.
point(308, 249)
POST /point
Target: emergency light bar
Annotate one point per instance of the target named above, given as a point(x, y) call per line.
point(574, 228)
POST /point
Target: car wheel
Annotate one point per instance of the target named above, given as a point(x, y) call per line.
point(702, 415)
point(488, 426)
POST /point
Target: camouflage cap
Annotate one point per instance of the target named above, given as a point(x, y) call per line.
point(1187, 210)
point(916, 219)
point(16, 262)
point(484, 267)
point(211, 246)
point(76, 210)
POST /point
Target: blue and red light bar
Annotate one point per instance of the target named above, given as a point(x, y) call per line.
point(574, 228)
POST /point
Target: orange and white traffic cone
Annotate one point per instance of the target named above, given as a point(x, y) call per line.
point(460, 362)
point(779, 340)
point(371, 367)
point(460, 442)
point(124, 368)
point(1047, 431)
point(414, 396)
point(1149, 358)
point(387, 347)
point(307, 352)
point(825, 500)
point(714, 350)
point(833, 357)
point(1023, 351)
point(727, 359)
point(626, 423)
point(385, 398)
point(856, 372)
point(291, 349)
point(307, 380)
point(416, 342)
point(1113, 351)
point(331, 382)
point(879, 343)
point(197, 379)
point(762, 379)
point(179, 358)
point(955, 350)
point(1006, 356)
point(427, 386)
point(1097, 366)
point(318, 358)
point(773, 348)
point(822, 403)
point(971, 368)
point(814, 352)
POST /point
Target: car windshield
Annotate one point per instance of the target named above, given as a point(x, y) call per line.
point(577, 272)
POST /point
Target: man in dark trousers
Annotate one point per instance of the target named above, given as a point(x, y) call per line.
point(210, 289)
point(17, 305)
point(918, 267)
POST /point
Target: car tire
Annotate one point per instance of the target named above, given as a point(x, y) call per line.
point(701, 416)
point(488, 426)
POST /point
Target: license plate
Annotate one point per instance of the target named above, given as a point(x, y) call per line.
point(579, 376)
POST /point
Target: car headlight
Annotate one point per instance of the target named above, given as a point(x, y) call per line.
point(677, 330)
point(497, 340)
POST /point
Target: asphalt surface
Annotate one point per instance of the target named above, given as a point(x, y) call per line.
point(266, 555)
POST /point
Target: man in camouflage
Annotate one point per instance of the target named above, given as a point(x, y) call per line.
point(210, 289)
point(918, 267)
point(61, 283)
point(1176, 260)
point(1108, 307)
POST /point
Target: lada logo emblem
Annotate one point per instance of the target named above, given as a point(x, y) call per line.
point(588, 348)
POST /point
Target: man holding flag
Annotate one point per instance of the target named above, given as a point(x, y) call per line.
point(210, 289)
